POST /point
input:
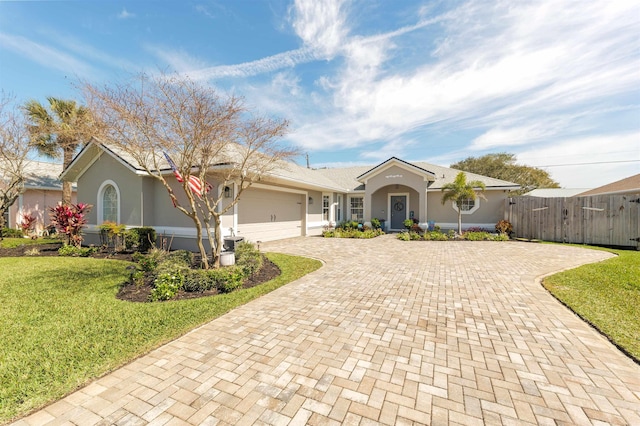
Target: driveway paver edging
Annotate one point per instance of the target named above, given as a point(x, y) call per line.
point(387, 332)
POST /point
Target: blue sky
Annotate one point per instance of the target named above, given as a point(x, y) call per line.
point(555, 82)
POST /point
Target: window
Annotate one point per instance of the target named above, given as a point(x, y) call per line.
point(467, 206)
point(325, 208)
point(357, 208)
point(108, 203)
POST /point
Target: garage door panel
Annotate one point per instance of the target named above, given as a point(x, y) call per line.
point(265, 215)
point(259, 206)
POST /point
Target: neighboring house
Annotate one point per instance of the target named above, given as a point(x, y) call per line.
point(42, 189)
point(626, 186)
point(291, 201)
point(555, 192)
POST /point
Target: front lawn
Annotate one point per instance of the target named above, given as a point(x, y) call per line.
point(62, 326)
point(17, 242)
point(607, 295)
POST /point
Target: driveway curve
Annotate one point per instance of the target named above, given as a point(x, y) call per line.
point(387, 332)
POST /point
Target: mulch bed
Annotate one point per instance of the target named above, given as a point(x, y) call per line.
point(131, 292)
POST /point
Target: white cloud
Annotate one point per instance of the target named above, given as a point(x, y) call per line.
point(47, 56)
point(597, 159)
point(535, 74)
point(320, 24)
point(269, 64)
point(125, 14)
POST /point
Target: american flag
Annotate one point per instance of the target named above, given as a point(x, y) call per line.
point(195, 184)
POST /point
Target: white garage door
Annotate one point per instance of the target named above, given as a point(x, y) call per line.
point(265, 215)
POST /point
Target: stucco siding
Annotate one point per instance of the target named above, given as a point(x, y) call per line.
point(395, 175)
point(489, 212)
point(35, 202)
point(128, 184)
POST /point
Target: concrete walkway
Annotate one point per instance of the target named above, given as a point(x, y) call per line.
point(387, 332)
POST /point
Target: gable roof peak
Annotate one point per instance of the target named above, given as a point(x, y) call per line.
point(405, 164)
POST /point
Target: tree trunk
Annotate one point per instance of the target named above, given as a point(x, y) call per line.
point(68, 152)
point(218, 241)
point(459, 221)
point(203, 252)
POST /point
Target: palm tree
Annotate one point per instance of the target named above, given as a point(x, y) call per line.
point(59, 132)
point(459, 191)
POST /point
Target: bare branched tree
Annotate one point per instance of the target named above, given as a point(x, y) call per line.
point(213, 140)
point(14, 147)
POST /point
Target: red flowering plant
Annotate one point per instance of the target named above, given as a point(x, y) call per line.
point(69, 219)
point(28, 222)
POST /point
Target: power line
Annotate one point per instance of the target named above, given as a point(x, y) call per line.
point(585, 164)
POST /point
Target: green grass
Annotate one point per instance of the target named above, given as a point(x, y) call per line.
point(607, 295)
point(61, 325)
point(17, 242)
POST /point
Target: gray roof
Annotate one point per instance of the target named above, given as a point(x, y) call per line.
point(630, 184)
point(42, 175)
point(347, 177)
point(338, 179)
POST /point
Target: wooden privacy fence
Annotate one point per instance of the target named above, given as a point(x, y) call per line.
point(611, 220)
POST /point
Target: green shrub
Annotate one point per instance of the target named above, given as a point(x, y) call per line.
point(500, 237)
point(166, 286)
point(144, 238)
point(435, 236)
point(348, 225)
point(227, 279)
point(199, 280)
point(11, 233)
point(408, 223)
point(69, 250)
point(353, 233)
point(476, 236)
point(375, 223)
point(451, 234)
point(149, 262)
point(404, 236)
point(248, 258)
point(184, 256)
point(414, 236)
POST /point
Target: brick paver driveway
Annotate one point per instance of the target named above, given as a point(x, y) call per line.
point(387, 332)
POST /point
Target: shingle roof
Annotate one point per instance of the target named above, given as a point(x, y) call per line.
point(630, 184)
point(42, 175)
point(333, 179)
point(347, 177)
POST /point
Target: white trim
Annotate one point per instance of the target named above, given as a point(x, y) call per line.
point(412, 168)
point(488, 188)
point(330, 215)
point(349, 198)
point(276, 188)
point(338, 206)
point(476, 206)
point(406, 210)
point(100, 215)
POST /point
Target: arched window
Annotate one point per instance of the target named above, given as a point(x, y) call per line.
point(108, 203)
